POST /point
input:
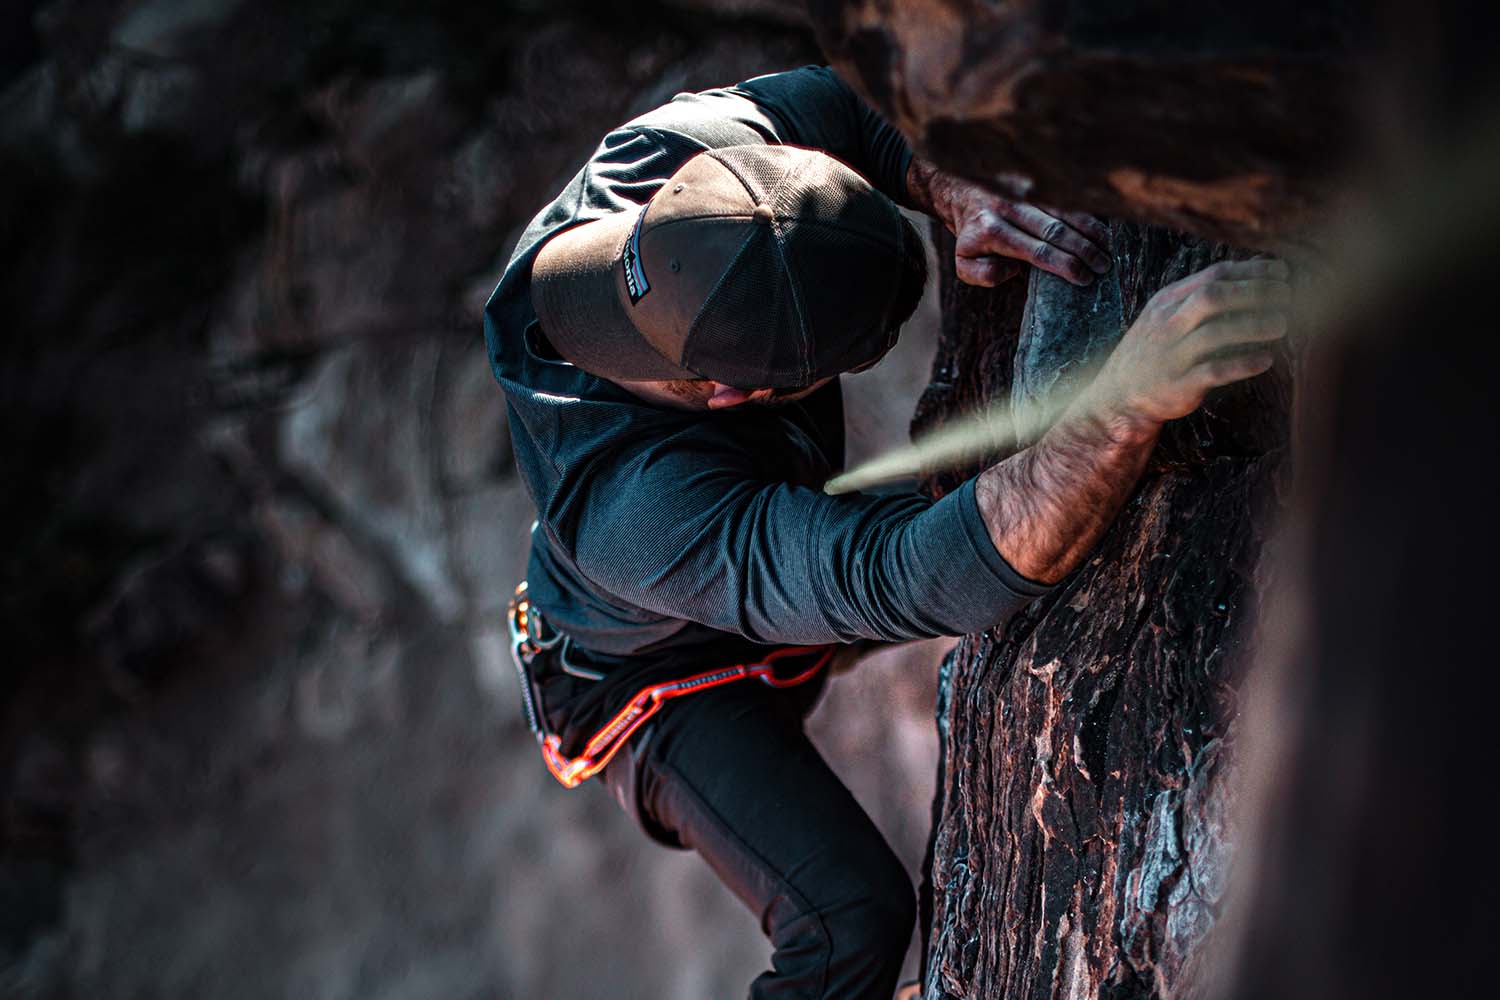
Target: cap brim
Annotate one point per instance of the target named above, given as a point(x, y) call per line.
point(576, 293)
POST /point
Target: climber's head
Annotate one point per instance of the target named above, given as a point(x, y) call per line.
point(754, 274)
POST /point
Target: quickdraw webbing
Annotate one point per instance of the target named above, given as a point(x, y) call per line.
point(527, 640)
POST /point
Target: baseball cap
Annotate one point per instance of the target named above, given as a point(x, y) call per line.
point(755, 266)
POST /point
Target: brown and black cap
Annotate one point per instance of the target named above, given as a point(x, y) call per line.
point(754, 266)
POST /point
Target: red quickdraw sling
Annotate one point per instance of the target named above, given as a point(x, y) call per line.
point(529, 638)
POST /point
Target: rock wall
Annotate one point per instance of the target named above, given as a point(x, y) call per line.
point(1082, 828)
point(1081, 835)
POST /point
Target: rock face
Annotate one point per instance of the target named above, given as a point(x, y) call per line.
point(1081, 836)
point(1222, 118)
point(1081, 839)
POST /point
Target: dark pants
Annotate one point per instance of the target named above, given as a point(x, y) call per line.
point(730, 774)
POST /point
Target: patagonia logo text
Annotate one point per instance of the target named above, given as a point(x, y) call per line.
point(635, 274)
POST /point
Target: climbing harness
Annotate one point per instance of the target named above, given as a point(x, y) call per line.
point(530, 637)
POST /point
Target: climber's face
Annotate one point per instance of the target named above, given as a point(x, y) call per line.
point(705, 394)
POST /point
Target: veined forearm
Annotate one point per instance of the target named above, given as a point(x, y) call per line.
point(1048, 506)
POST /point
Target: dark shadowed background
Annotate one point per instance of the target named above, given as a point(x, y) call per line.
point(260, 734)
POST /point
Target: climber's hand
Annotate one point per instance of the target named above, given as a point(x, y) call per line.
point(1209, 329)
point(996, 235)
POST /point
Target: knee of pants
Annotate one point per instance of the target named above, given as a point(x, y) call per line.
point(877, 920)
point(880, 924)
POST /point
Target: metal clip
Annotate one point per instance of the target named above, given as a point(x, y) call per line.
point(522, 651)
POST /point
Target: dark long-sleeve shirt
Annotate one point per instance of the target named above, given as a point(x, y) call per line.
point(670, 542)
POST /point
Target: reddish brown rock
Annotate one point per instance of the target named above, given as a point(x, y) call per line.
point(1082, 840)
point(1225, 119)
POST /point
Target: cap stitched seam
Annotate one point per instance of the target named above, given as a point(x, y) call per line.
point(796, 287)
point(778, 238)
point(713, 293)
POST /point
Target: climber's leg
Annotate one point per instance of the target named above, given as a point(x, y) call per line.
point(731, 774)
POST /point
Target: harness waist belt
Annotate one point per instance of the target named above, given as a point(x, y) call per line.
point(530, 637)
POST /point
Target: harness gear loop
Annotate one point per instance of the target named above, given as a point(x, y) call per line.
point(523, 649)
point(529, 638)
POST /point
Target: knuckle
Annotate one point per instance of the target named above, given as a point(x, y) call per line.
point(1199, 302)
point(1175, 288)
point(1054, 231)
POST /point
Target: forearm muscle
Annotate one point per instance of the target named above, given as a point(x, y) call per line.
point(1048, 506)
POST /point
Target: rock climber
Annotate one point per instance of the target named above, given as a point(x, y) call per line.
point(669, 335)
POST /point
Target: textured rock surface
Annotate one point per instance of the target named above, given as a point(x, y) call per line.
point(1081, 836)
point(1222, 118)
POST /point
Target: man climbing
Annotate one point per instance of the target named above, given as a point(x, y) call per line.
point(669, 335)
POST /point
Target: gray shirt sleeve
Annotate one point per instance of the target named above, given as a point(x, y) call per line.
point(686, 532)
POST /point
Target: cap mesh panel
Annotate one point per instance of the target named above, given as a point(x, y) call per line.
point(760, 168)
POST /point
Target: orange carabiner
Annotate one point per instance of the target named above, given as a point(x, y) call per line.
point(601, 749)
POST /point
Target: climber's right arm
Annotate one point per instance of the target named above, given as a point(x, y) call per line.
point(1046, 507)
